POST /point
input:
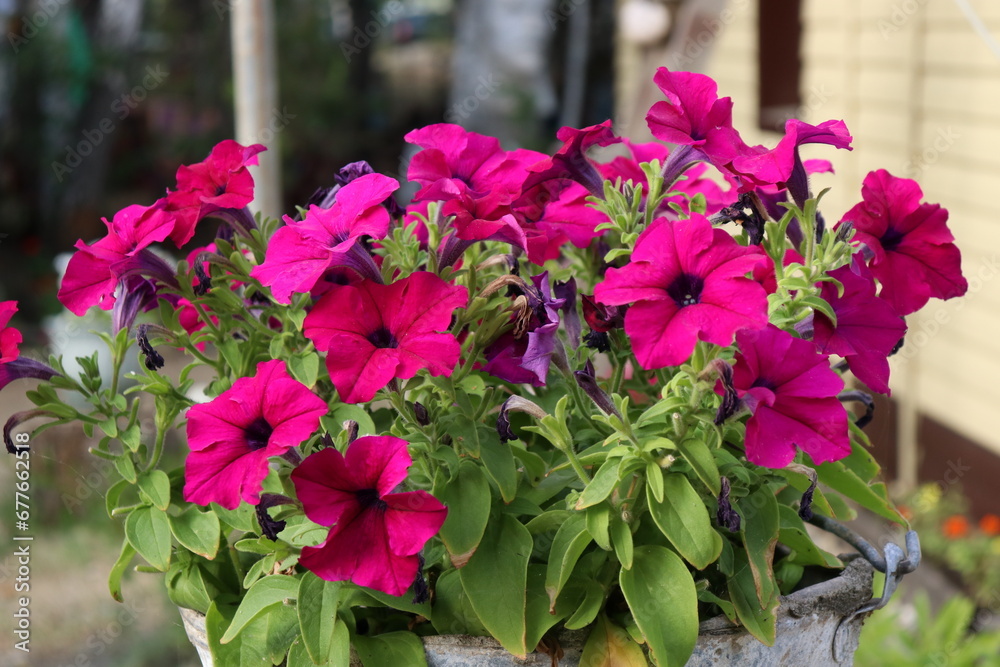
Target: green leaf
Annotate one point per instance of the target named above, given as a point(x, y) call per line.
point(759, 619)
point(608, 645)
point(621, 539)
point(238, 652)
point(453, 613)
point(197, 531)
point(304, 368)
point(155, 486)
point(126, 468)
point(130, 437)
point(389, 649)
point(345, 411)
point(701, 460)
point(570, 541)
point(598, 522)
point(539, 616)
point(794, 536)
point(759, 530)
point(269, 591)
point(875, 497)
point(468, 499)
point(499, 462)
point(684, 520)
point(601, 486)
point(114, 494)
point(495, 579)
point(664, 603)
point(654, 478)
point(279, 626)
point(317, 609)
point(118, 569)
point(148, 531)
point(242, 518)
point(593, 602)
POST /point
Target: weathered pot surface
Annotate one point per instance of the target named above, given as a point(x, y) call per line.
point(815, 627)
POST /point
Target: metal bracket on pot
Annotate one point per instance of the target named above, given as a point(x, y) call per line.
point(892, 564)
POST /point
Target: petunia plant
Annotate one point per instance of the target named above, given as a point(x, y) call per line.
point(603, 389)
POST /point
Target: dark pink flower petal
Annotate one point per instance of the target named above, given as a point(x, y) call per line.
point(693, 110)
point(411, 519)
point(792, 393)
point(373, 333)
point(232, 436)
point(776, 166)
point(10, 337)
point(688, 283)
point(915, 258)
point(867, 329)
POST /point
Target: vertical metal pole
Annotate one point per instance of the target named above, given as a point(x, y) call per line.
point(255, 97)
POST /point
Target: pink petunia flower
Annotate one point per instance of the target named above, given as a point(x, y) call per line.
point(867, 330)
point(301, 252)
point(373, 333)
point(10, 338)
point(792, 392)
point(687, 283)
point(375, 534)
point(914, 254)
point(220, 181)
point(93, 273)
point(233, 436)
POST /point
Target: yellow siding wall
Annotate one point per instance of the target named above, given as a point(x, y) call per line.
point(920, 91)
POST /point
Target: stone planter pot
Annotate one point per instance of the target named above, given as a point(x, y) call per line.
point(816, 626)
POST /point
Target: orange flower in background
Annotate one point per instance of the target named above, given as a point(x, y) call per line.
point(955, 526)
point(905, 511)
point(990, 524)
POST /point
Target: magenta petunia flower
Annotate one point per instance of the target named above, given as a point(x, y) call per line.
point(867, 330)
point(687, 282)
point(373, 333)
point(220, 181)
point(914, 254)
point(232, 437)
point(375, 534)
point(93, 273)
point(10, 338)
point(301, 252)
point(791, 392)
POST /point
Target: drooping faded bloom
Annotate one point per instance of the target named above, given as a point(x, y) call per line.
point(687, 282)
point(94, 271)
point(375, 534)
point(791, 392)
point(222, 180)
point(232, 437)
point(373, 333)
point(301, 252)
point(867, 327)
point(914, 254)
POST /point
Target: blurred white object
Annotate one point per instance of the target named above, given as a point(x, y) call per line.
point(644, 22)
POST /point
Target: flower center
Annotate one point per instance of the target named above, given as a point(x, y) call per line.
point(258, 433)
point(369, 500)
point(891, 239)
point(686, 290)
point(382, 337)
point(763, 382)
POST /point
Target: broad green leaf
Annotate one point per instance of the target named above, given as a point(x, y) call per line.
point(499, 462)
point(758, 619)
point(621, 539)
point(468, 498)
point(130, 437)
point(759, 530)
point(402, 602)
point(539, 616)
point(593, 602)
point(601, 486)
point(155, 486)
point(237, 652)
point(598, 521)
point(453, 613)
point(608, 645)
point(317, 610)
point(304, 368)
point(495, 579)
point(390, 649)
point(114, 494)
point(242, 518)
point(794, 536)
point(570, 541)
point(118, 569)
point(279, 626)
point(126, 467)
point(197, 531)
point(725, 605)
point(346, 411)
point(874, 497)
point(702, 461)
point(654, 480)
point(684, 520)
point(148, 531)
point(664, 603)
point(271, 590)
